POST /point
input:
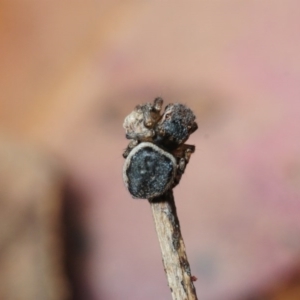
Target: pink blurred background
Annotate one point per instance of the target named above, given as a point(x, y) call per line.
point(71, 71)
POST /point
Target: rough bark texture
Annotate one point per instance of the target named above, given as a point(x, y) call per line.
point(31, 245)
point(175, 260)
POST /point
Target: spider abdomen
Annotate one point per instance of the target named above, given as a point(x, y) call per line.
point(149, 171)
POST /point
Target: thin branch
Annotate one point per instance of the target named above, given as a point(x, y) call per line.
point(174, 257)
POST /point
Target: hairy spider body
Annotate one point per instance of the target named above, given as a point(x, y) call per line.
point(175, 126)
point(156, 156)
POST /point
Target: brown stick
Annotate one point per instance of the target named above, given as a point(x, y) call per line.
point(175, 261)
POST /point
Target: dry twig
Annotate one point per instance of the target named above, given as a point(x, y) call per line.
point(174, 257)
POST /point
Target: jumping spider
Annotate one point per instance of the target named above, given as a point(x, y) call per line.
point(156, 155)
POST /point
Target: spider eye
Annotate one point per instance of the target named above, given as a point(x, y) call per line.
point(168, 116)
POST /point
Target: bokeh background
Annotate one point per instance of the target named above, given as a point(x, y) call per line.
point(71, 71)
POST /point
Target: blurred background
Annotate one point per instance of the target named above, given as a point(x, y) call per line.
point(69, 74)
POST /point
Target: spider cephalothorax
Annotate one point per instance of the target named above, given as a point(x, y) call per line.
point(140, 124)
point(156, 155)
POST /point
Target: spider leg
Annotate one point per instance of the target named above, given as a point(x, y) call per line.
point(157, 104)
point(182, 155)
point(193, 128)
point(151, 112)
point(141, 136)
point(130, 146)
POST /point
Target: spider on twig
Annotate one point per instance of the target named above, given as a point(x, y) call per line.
point(156, 155)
